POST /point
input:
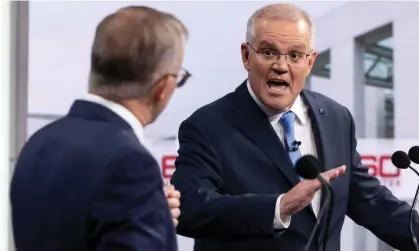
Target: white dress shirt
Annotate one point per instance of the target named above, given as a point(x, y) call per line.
point(122, 112)
point(303, 133)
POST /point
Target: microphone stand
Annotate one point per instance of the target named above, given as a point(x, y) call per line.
point(316, 225)
point(328, 200)
point(329, 216)
point(415, 241)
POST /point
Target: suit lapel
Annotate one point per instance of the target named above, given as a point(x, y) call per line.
point(324, 124)
point(254, 124)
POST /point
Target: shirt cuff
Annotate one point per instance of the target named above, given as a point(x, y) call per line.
point(278, 222)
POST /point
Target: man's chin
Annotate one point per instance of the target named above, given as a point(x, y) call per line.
point(277, 107)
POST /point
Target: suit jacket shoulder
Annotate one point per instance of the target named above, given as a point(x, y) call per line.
point(220, 109)
point(215, 109)
point(327, 101)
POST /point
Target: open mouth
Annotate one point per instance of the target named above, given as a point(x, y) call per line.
point(278, 85)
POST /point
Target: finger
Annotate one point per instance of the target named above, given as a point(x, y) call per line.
point(175, 222)
point(173, 202)
point(334, 173)
point(174, 194)
point(341, 169)
point(168, 188)
point(175, 213)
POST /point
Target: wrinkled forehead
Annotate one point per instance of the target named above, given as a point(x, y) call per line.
point(283, 33)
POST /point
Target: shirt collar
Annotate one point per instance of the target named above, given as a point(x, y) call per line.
point(299, 108)
point(121, 111)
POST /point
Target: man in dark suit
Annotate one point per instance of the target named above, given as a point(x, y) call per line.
point(235, 168)
point(86, 181)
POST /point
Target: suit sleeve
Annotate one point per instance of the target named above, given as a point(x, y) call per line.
point(206, 211)
point(130, 211)
point(374, 206)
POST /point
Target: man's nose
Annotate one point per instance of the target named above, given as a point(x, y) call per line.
point(281, 64)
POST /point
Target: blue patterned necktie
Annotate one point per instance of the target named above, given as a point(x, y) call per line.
point(287, 122)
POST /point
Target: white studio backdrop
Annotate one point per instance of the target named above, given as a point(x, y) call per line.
point(61, 33)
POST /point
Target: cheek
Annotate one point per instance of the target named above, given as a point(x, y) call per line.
point(260, 70)
point(298, 77)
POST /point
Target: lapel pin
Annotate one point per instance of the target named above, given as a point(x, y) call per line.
point(321, 111)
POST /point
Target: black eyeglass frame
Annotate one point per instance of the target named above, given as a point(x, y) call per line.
point(283, 54)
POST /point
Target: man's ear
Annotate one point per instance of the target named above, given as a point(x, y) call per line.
point(245, 55)
point(163, 89)
point(158, 90)
point(311, 60)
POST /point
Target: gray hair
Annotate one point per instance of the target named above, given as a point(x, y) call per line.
point(132, 49)
point(278, 12)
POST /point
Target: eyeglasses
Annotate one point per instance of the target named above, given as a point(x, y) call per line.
point(293, 58)
point(182, 77)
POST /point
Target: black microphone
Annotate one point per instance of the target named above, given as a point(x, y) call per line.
point(295, 146)
point(401, 160)
point(308, 167)
point(414, 156)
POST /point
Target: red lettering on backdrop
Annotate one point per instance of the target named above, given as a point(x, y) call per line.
point(168, 166)
point(381, 167)
point(377, 165)
point(369, 161)
point(385, 173)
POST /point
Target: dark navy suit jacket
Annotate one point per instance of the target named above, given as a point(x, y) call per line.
point(85, 182)
point(232, 167)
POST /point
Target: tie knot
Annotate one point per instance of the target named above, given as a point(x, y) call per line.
point(287, 121)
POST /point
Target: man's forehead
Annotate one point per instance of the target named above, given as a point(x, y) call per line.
point(301, 23)
point(298, 32)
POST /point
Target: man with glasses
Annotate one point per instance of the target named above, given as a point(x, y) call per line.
point(235, 168)
point(86, 181)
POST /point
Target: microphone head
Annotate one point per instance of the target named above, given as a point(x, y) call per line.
point(308, 167)
point(400, 159)
point(414, 154)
